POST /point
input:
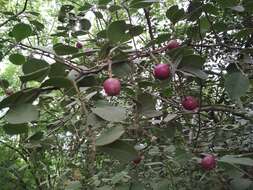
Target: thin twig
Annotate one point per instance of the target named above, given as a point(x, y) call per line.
point(16, 15)
point(147, 16)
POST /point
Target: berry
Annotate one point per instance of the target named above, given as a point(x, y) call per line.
point(162, 71)
point(190, 103)
point(9, 92)
point(137, 160)
point(112, 86)
point(79, 45)
point(208, 162)
point(173, 44)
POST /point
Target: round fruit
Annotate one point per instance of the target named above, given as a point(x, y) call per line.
point(162, 71)
point(190, 103)
point(173, 44)
point(137, 160)
point(8, 92)
point(79, 45)
point(112, 86)
point(208, 162)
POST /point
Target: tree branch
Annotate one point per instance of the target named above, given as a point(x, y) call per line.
point(147, 16)
point(227, 109)
point(16, 15)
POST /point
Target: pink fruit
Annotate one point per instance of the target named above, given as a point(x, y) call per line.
point(173, 44)
point(9, 92)
point(112, 86)
point(190, 103)
point(137, 160)
point(208, 162)
point(79, 45)
point(162, 71)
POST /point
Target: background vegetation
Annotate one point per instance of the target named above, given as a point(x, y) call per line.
point(59, 130)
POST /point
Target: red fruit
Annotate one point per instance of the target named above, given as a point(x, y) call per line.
point(208, 162)
point(8, 92)
point(190, 103)
point(137, 160)
point(112, 86)
point(173, 44)
point(162, 71)
point(79, 45)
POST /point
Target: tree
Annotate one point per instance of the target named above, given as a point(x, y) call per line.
point(126, 95)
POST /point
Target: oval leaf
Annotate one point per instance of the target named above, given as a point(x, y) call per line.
point(17, 59)
point(110, 113)
point(22, 113)
point(16, 129)
point(120, 151)
point(117, 31)
point(110, 136)
point(21, 31)
point(236, 84)
point(62, 49)
point(233, 159)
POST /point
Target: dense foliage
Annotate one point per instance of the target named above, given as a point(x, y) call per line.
point(126, 95)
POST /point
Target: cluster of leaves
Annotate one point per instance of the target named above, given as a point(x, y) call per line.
point(59, 130)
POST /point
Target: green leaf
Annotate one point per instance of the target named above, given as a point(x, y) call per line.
point(116, 31)
point(236, 84)
point(194, 10)
point(169, 117)
point(57, 70)
point(16, 129)
point(175, 14)
point(102, 34)
point(63, 12)
point(38, 75)
point(110, 113)
point(137, 186)
point(227, 3)
point(36, 136)
point(146, 106)
point(238, 8)
point(122, 69)
point(241, 183)
point(62, 49)
point(74, 185)
point(22, 113)
point(24, 96)
point(85, 24)
point(21, 31)
point(163, 184)
point(38, 25)
point(194, 61)
point(120, 151)
point(106, 187)
point(211, 9)
point(196, 72)
point(110, 135)
point(85, 7)
point(87, 81)
point(233, 159)
point(17, 59)
point(142, 3)
point(104, 2)
point(33, 64)
point(182, 156)
point(114, 8)
point(4, 84)
point(122, 186)
point(35, 69)
point(136, 30)
point(59, 82)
